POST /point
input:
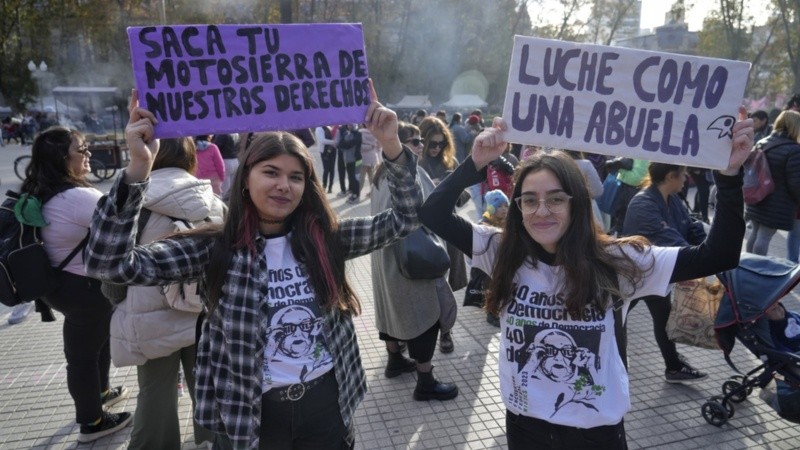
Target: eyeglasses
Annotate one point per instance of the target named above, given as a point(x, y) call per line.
point(415, 142)
point(290, 328)
point(440, 144)
point(568, 351)
point(529, 204)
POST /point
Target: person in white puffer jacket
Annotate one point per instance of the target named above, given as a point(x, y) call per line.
point(154, 327)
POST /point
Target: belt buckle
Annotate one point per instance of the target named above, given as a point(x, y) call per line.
point(295, 392)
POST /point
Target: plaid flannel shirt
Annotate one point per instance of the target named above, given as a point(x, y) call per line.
point(230, 354)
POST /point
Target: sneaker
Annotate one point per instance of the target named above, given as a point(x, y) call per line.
point(342, 194)
point(353, 200)
point(115, 395)
point(20, 313)
point(108, 424)
point(446, 343)
point(685, 375)
point(493, 320)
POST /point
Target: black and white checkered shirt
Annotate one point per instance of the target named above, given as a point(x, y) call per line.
point(230, 354)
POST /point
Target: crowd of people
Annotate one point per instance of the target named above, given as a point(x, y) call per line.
point(234, 263)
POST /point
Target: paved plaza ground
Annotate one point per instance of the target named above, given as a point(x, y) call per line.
point(36, 410)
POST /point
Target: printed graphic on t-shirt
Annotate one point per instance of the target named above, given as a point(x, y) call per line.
point(296, 350)
point(553, 352)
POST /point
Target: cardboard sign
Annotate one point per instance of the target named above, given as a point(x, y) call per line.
point(656, 106)
point(205, 79)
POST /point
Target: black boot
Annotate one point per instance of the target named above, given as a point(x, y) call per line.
point(398, 365)
point(429, 388)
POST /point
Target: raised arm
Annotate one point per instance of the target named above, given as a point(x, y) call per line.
point(721, 249)
point(438, 212)
point(362, 235)
point(111, 253)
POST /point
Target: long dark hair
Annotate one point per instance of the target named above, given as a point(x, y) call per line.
point(315, 240)
point(591, 259)
point(49, 167)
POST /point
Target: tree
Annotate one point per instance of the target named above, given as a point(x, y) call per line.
point(606, 18)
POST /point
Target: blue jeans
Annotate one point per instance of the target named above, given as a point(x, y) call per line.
point(793, 243)
point(758, 242)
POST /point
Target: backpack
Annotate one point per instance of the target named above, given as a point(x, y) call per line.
point(758, 182)
point(25, 270)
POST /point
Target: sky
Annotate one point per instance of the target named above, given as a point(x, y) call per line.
point(654, 11)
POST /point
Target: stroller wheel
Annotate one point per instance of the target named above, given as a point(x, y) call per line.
point(714, 413)
point(725, 404)
point(735, 391)
point(743, 379)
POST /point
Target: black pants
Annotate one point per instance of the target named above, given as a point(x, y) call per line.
point(341, 169)
point(87, 317)
point(703, 190)
point(624, 196)
point(524, 432)
point(328, 164)
point(420, 348)
point(311, 423)
point(660, 307)
point(353, 179)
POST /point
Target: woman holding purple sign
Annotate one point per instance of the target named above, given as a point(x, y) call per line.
point(562, 288)
point(278, 364)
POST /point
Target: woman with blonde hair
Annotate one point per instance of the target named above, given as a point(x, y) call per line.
point(777, 211)
point(439, 159)
point(439, 154)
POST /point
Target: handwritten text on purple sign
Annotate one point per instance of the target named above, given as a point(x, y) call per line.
point(192, 73)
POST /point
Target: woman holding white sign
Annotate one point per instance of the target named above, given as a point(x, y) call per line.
point(562, 288)
point(278, 365)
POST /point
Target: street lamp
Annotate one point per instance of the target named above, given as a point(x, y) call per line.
point(38, 74)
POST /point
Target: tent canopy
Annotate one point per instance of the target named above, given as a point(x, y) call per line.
point(464, 101)
point(413, 102)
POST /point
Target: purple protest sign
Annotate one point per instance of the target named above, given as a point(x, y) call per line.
point(205, 79)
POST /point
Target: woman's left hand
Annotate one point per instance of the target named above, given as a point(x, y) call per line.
point(382, 122)
point(741, 143)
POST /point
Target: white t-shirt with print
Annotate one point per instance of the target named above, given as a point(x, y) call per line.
point(296, 350)
point(560, 369)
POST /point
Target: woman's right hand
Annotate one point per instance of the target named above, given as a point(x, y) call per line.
point(142, 146)
point(489, 144)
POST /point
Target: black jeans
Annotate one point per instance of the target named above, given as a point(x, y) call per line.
point(353, 178)
point(420, 348)
point(313, 422)
point(660, 307)
point(341, 169)
point(524, 433)
point(328, 164)
point(87, 317)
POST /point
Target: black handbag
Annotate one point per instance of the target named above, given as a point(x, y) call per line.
point(421, 256)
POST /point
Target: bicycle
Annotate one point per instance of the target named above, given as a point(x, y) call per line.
point(97, 168)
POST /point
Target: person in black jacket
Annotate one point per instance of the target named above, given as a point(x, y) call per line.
point(658, 214)
point(777, 211)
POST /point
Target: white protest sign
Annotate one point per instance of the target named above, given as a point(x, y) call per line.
point(656, 106)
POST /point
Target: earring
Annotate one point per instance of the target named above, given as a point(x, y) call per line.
point(244, 192)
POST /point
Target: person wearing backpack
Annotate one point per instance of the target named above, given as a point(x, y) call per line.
point(153, 328)
point(57, 176)
point(777, 210)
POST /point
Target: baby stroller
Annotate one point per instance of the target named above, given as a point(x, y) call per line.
point(750, 290)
